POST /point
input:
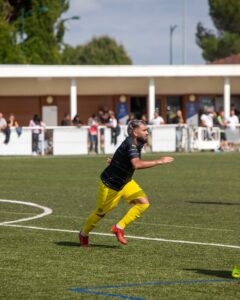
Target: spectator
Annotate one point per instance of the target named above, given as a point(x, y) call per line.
point(232, 120)
point(131, 117)
point(207, 122)
point(179, 129)
point(76, 121)
point(4, 128)
point(104, 115)
point(157, 120)
point(144, 119)
point(93, 133)
point(37, 125)
point(12, 123)
point(222, 124)
point(66, 121)
point(115, 128)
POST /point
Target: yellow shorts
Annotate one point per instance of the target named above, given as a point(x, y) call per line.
point(108, 198)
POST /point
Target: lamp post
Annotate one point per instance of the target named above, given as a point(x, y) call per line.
point(172, 28)
point(183, 32)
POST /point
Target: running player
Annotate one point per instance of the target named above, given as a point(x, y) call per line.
point(116, 182)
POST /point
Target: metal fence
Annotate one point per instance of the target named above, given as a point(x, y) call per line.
point(76, 141)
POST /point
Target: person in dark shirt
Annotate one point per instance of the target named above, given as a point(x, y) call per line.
point(116, 182)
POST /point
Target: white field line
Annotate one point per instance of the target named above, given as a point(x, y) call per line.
point(127, 236)
point(47, 211)
point(136, 222)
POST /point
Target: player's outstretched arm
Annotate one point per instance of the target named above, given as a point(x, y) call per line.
point(143, 164)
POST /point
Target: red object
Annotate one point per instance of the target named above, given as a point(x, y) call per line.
point(119, 234)
point(84, 240)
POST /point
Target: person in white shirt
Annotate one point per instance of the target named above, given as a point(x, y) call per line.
point(207, 121)
point(232, 120)
point(157, 120)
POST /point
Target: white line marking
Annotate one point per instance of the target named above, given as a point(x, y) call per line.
point(46, 211)
point(129, 236)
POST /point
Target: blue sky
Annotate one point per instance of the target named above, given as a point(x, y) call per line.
point(141, 26)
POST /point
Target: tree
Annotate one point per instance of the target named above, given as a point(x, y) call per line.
point(35, 29)
point(226, 18)
point(9, 51)
point(99, 51)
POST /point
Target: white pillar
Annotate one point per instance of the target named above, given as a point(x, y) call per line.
point(151, 98)
point(227, 96)
point(73, 98)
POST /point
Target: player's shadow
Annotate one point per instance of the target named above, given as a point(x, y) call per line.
point(212, 202)
point(75, 244)
point(217, 273)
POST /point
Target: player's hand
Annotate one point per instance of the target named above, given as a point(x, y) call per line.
point(109, 160)
point(166, 160)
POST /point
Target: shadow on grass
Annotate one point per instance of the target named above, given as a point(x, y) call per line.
point(213, 203)
point(217, 273)
point(75, 244)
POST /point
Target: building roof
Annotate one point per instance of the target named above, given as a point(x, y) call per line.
point(230, 60)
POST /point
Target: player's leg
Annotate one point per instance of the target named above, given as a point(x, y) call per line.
point(107, 199)
point(133, 194)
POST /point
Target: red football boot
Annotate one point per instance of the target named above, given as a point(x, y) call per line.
point(119, 234)
point(84, 240)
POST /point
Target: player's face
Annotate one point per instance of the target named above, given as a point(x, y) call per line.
point(141, 133)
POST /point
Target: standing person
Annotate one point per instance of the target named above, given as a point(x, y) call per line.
point(116, 182)
point(222, 124)
point(114, 126)
point(4, 128)
point(66, 121)
point(93, 133)
point(157, 120)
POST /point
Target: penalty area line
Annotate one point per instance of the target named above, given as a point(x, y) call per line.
point(127, 236)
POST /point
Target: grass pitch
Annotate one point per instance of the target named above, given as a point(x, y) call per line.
point(196, 199)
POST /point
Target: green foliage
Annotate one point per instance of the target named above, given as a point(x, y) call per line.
point(99, 51)
point(32, 28)
point(226, 18)
point(226, 15)
point(32, 32)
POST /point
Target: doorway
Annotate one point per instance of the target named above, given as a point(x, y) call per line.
point(138, 106)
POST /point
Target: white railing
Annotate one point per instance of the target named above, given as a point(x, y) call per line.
point(75, 141)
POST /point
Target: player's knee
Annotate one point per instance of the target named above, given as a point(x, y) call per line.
point(143, 200)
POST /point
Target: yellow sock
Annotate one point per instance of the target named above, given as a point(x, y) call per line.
point(91, 222)
point(133, 214)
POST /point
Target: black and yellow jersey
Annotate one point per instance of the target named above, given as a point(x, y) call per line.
point(120, 170)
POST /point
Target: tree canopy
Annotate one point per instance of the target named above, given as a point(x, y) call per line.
point(99, 51)
point(32, 32)
point(226, 41)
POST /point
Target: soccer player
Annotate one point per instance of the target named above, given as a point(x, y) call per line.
point(116, 183)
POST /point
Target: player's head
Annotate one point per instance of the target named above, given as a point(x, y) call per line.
point(138, 129)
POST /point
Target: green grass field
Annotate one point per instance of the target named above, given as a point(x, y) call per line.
point(195, 199)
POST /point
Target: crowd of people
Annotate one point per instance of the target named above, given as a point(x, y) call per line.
point(209, 119)
point(106, 117)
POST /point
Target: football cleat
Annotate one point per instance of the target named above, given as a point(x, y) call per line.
point(84, 240)
point(236, 272)
point(119, 234)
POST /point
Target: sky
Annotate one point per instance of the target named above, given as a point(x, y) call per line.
point(142, 27)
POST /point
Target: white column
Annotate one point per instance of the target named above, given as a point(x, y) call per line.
point(151, 98)
point(73, 98)
point(227, 96)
